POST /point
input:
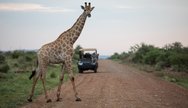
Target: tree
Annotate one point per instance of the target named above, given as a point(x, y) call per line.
point(76, 52)
point(115, 56)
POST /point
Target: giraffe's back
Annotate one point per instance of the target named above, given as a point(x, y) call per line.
point(51, 53)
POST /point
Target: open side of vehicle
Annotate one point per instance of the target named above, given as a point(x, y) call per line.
point(88, 60)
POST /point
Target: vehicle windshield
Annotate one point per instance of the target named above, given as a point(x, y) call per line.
point(88, 54)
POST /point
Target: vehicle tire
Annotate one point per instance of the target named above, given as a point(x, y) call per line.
point(80, 71)
point(95, 70)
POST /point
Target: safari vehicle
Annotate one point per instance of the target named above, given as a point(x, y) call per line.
point(88, 60)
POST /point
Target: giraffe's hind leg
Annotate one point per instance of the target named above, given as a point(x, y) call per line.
point(43, 79)
point(35, 79)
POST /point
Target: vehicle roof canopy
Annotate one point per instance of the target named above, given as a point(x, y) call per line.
point(88, 49)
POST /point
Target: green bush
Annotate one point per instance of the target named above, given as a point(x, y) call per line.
point(28, 58)
point(171, 56)
point(15, 54)
point(53, 75)
point(115, 56)
point(163, 59)
point(141, 52)
point(171, 79)
point(2, 58)
point(124, 55)
point(159, 66)
point(15, 65)
point(4, 68)
point(76, 53)
point(151, 56)
point(179, 61)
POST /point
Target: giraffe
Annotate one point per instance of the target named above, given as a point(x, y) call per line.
point(59, 51)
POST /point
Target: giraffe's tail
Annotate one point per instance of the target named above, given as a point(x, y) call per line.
point(33, 72)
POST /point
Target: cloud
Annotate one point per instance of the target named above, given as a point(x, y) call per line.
point(31, 7)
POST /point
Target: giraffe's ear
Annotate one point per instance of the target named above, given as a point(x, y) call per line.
point(92, 8)
point(82, 7)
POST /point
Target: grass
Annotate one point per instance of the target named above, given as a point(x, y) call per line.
point(183, 82)
point(176, 77)
point(15, 85)
point(15, 88)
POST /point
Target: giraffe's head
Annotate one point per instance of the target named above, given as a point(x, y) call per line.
point(87, 9)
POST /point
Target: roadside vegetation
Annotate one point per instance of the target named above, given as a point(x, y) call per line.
point(15, 69)
point(169, 62)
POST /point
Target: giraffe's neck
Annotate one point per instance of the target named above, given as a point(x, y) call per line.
point(74, 32)
point(76, 29)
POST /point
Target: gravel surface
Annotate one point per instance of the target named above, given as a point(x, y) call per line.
point(116, 86)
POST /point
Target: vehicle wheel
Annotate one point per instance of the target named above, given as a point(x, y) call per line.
point(95, 70)
point(80, 71)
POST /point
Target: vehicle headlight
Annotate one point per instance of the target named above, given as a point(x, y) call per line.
point(80, 63)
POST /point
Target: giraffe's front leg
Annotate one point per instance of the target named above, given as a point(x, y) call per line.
point(60, 84)
point(74, 87)
point(68, 65)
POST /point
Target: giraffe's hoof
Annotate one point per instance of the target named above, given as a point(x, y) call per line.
point(29, 100)
point(48, 101)
point(78, 99)
point(59, 99)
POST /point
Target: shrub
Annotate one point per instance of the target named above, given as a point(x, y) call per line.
point(159, 66)
point(76, 57)
point(15, 65)
point(4, 68)
point(162, 59)
point(141, 52)
point(3, 64)
point(171, 79)
point(115, 56)
point(2, 58)
point(53, 75)
point(179, 61)
point(16, 54)
point(76, 52)
point(21, 60)
point(151, 56)
point(171, 56)
point(28, 58)
point(124, 55)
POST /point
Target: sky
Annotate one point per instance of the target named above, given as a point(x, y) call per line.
point(114, 25)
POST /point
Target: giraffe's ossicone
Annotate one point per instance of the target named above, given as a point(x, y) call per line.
point(60, 51)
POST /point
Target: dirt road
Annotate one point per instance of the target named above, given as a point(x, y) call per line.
point(117, 86)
